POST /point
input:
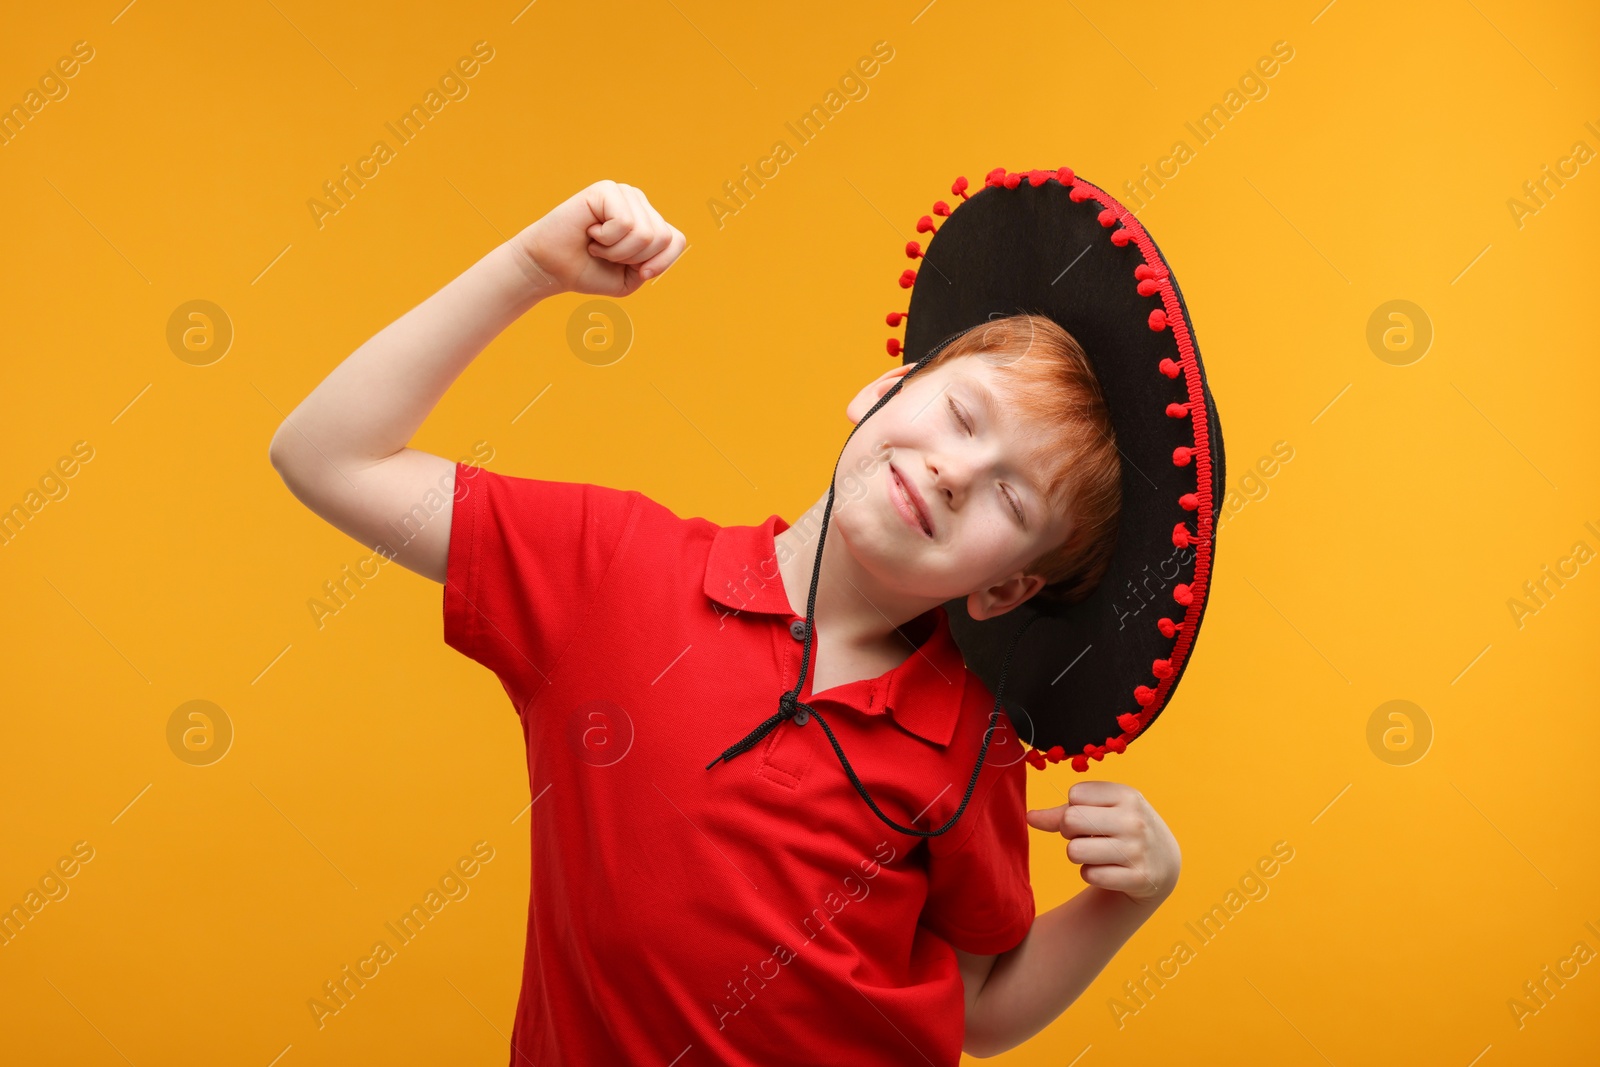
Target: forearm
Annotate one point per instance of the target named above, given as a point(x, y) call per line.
point(371, 404)
point(1067, 947)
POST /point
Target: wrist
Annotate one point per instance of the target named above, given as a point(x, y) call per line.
point(1150, 902)
point(540, 283)
point(1120, 902)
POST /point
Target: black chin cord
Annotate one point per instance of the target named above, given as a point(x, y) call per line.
point(790, 704)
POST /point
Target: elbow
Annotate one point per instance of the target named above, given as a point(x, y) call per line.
point(980, 1041)
point(985, 1035)
point(282, 453)
point(277, 454)
point(979, 1048)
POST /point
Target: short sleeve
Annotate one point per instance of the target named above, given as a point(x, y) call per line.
point(980, 895)
point(526, 559)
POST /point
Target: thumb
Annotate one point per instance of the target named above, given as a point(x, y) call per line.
point(1048, 818)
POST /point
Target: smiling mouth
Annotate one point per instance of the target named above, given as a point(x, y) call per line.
point(910, 502)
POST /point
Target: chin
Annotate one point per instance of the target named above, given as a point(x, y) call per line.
point(877, 547)
point(882, 552)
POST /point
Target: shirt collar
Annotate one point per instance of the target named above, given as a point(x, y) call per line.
point(923, 695)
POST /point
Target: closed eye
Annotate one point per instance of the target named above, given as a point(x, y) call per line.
point(1016, 505)
point(960, 421)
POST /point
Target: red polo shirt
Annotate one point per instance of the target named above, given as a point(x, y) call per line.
point(757, 912)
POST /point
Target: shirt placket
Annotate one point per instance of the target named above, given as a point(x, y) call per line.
point(784, 752)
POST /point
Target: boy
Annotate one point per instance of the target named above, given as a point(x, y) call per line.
point(755, 913)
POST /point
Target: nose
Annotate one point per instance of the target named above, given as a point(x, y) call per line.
point(952, 476)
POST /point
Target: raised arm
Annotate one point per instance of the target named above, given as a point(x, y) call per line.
point(343, 451)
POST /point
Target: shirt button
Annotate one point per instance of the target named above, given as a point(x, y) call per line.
point(797, 629)
point(802, 717)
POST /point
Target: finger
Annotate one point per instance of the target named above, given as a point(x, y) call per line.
point(624, 215)
point(645, 236)
point(1086, 820)
point(615, 213)
point(1047, 818)
point(1098, 850)
point(676, 243)
point(629, 248)
point(660, 237)
point(646, 216)
point(1121, 850)
point(1100, 794)
point(650, 223)
point(642, 211)
point(1121, 879)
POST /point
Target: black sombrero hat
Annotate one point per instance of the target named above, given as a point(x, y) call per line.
point(1079, 679)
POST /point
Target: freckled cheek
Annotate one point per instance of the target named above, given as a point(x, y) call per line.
point(980, 546)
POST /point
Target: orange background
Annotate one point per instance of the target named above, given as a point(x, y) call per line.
point(367, 757)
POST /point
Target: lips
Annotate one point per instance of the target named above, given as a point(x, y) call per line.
point(919, 506)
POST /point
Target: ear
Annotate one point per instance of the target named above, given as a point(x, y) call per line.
point(998, 599)
point(873, 392)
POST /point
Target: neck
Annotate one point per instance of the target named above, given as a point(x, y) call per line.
point(852, 607)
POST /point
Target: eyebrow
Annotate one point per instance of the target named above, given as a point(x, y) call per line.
point(992, 413)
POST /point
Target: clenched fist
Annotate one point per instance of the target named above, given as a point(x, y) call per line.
point(1117, 837)
point(605, 240)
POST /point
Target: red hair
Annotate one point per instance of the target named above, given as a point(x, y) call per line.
point(1048, 382)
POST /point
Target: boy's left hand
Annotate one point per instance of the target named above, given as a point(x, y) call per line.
point(1118, 838)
